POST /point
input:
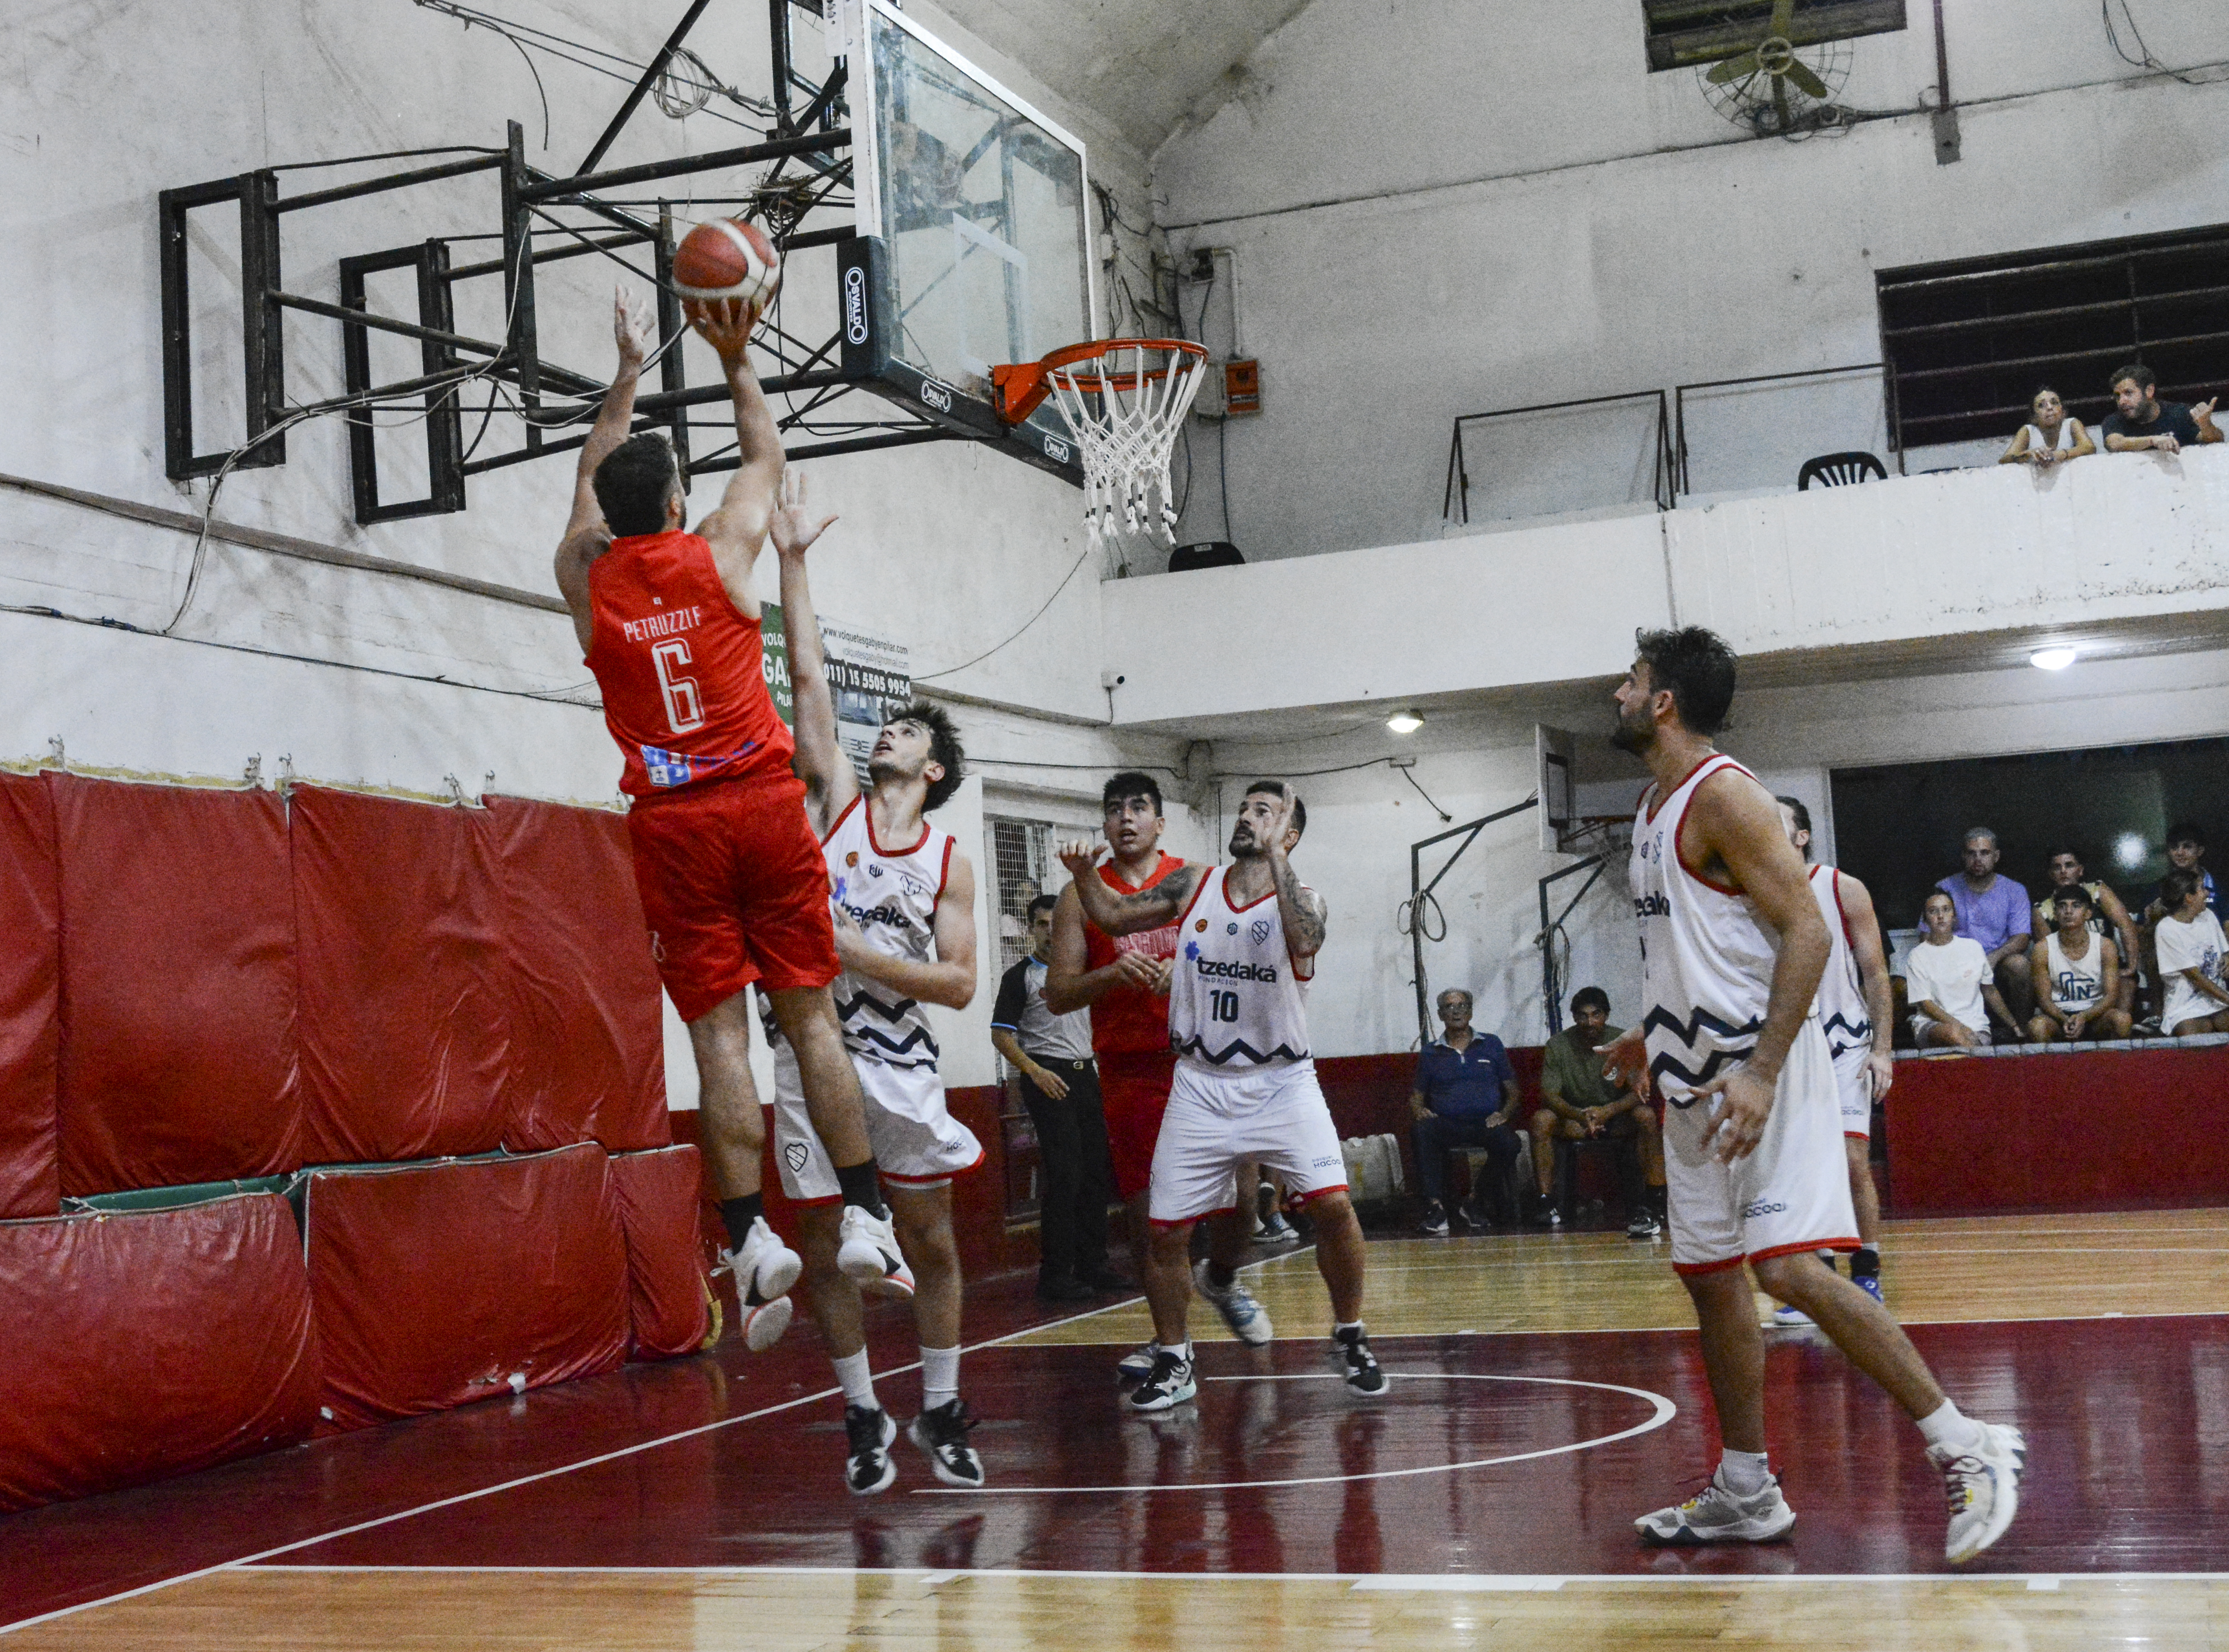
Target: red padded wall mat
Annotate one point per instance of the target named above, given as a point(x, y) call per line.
point(435, 1284)
point(178, 969)
point(147, 1343)
point(30, 997)
point(659, 1201)
point(405, 1022)
point(587, 1029)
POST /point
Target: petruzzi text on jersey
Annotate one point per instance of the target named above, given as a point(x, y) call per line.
point(641, 631)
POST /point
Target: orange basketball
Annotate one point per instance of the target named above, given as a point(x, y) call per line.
point(727, 259)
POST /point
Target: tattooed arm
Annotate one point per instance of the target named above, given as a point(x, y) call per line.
point(1117, 914)
point(1300, 907)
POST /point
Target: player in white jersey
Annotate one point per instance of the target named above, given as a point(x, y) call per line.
point(1733, 949)
point(1855, 1013)
point(904, 908)
point(1247, 938)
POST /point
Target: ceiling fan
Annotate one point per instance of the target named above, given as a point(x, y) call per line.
point(1767, 85)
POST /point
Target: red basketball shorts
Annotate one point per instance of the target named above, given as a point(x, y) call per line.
point(1134, 1088)
point(734, 889)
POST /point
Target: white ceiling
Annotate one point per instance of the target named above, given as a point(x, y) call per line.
point(1143, 66)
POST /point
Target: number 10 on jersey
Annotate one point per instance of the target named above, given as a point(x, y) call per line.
point(1223, 1006)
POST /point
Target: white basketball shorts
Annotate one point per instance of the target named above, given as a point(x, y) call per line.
point(1856, 1089)
point(1791, 1194)
point(1275, 1116)
point(917, 1143)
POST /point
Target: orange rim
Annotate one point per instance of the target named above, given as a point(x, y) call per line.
point(1019, 388)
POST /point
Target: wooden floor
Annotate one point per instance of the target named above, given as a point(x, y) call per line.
point(693, 1511)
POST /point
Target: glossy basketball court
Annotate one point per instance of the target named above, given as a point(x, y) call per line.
point(1546, 1390)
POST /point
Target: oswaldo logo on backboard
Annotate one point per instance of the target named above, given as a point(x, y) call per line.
point(855, 306)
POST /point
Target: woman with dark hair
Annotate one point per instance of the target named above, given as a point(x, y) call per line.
point(2051, 434)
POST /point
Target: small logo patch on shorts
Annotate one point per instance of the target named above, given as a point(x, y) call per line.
point(795, 1153)
point(1762, 1208)
point(1324, 1163)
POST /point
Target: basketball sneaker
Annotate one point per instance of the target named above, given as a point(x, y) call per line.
point(764, 1270)
point(1786, 1318)
point(1714, 1514)
point(1137, 1365)
point(870, 1257)
point(1364, 1374)
point(1247, 1320)
point(1169, 1383)
point(1435, 1220)
point(1870, 1284)
point(942, 1434)
point(868, 1467)
point(1983, 1483)
point(1644, 1225)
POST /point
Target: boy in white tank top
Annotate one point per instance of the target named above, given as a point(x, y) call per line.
point(1247, 939)
point(1733, 949)
point(2078, 976)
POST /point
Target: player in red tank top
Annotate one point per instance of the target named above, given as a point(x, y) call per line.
point(733, 886)
point(1126, 984)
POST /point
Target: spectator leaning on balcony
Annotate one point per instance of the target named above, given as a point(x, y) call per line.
point(2078, 976)
point(2191, 950)
point(2050, 435)
point(1465, 1095)
point(1994, 911)
point(1947, 982)
point(2141, 420)
point(2108, 918)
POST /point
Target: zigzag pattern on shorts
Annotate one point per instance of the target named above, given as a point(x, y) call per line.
point(1860, 1035)
point(1688, 1033)
point(845, 1007)
point(1697, 1078)
point(1239, 1046)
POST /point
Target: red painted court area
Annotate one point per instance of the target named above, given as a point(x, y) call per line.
point(1561, 1440)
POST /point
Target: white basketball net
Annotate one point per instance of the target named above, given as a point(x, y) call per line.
point(1124, 407)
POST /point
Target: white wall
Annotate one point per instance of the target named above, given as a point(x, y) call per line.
point(1441, 208)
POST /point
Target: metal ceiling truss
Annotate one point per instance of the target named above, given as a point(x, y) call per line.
point(544, 219)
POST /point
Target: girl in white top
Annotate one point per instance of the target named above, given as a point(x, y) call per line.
point(1948, 984)
point(2050, 436)
point(2191, 960)
point(2078, 976)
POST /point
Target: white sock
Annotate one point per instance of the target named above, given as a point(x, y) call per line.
point(940, 1377)
point(858, 1385)
point(1950, 1426)
point(1744, 1473)
point(1337, 1325)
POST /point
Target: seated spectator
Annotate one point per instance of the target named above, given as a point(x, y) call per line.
point(2050, 435)
point(1465, 1095)
point(2077, 977)
point(2191, 950)
point(2108, 916)
point(1579, 1103)
point(1949, 983)
point(2140, 420)
point(1994, 911)
point(2185, 852)
point(1060, 1088)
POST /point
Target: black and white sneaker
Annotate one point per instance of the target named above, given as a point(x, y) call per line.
point(1643, 1225)
point(868, 1253)
point(1364, 1373)
point(942, 1434)
point(1170, 1383)
point(1137, 1365)
point(1435, 1220)
point(868, 1469)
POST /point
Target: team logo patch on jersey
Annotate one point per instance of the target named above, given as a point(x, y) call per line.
point(1260, 932)
point(1201, 927)
point(876, 870)
point(795, 1153)
point(1230, 929)
point(852, 859)
point(917, 886)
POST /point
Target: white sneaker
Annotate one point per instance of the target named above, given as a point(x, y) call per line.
point(870, 1256)
point(1716, 1516)
point(1787, 1318)
point(1247, 1320)
point(1984, 1483)
point(1137, 1365)
point(764, 1270)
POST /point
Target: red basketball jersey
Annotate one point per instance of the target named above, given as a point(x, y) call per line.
point(682, 672)
point(1130, 1020)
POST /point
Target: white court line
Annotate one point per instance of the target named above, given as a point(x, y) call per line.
point(1665, 1410)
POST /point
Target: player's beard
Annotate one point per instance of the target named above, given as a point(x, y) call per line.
point(1634, 735)
point(884, 770)
point(1243, 846)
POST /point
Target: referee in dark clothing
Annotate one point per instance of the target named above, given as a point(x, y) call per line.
point(1060, 1087)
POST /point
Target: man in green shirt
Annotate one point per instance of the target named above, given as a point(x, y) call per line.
point(1577, 1103)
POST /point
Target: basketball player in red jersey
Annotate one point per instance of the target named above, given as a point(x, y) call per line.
point(1126, 984)
point(1733, 946)
point(731, 880)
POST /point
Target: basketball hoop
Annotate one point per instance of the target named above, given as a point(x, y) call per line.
point(1124, 399)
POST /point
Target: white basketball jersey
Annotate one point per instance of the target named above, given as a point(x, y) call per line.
point(2077, 985)
point(1841, 1003)
point(1707, 959)
point(1238, 1000)
point(891, 893)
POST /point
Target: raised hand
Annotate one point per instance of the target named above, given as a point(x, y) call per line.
point(724, 323)
point(631, 328)
point(1079, 855)
point(794, 524)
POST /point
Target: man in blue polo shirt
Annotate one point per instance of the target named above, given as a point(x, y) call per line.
point(1465, 1095)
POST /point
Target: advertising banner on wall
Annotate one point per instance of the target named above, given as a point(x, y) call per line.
point(870, 674)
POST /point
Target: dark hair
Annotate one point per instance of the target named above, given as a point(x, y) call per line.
point(1794, 806)
point(2176, 887)
point(944, 748)
point(2185, 831)
point(1300, 809)
point(2072, 891)
point(1043, 903)
point(634, 483)
point(1127, 785)
point(1697, 667)
point(2146, 379)
point(2069, 850)
point(2044, 390)
point(1593, 997)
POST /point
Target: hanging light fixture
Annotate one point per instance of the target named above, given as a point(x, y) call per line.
point(1405, 722)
